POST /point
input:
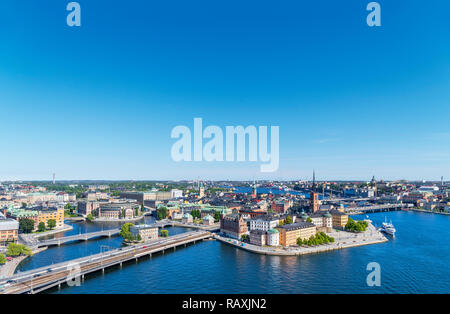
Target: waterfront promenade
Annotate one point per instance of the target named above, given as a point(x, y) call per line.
point(343, 240)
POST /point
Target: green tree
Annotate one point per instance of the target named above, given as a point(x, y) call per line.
point(244, 238)
point(217, 216)
point(2, 259)
point(26, 225)
point(164, 233)
point(299, 241)
point(41, 227)
point(288, 220)
point(125, 232)
point(162, 212)
point(51, 223)
point(309, 219)
point(196, 214)
point(90, 217)
point(17, 250)
point(139, 238)
point(69, 207)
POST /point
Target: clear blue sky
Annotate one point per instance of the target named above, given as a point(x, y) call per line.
point(100, 101)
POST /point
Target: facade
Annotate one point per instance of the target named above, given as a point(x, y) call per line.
point(9, 230)
point(187, 218)
point(322, 220)
point(339, 219)
point(273, 237)
point(117, 210)
point(314, 202)
point(87, 207)
point(263, 222)
point(57, 215)
point(233, 226)
point(208, 220)
point(290, 233)
point(146, 232)
point(258, 237)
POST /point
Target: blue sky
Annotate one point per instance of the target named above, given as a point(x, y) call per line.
point(100, 101)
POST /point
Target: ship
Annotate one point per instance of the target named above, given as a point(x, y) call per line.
point(388, 227)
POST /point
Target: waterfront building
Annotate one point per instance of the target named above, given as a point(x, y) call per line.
point(322, 220)
point(258, 237)
point(264, 222)
point(87, 207)
point(273, 237)
point(187, 218)
point(233, 226)
point(146, 232)
point(9, 230)
point(339, 219)
point(55, 214)
point(208, 220)
point(291, 232)
point(117, 210)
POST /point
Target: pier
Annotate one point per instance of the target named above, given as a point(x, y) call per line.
point(43, 278)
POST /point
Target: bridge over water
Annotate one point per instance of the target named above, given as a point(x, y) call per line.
point(91, 235)
point(43, 278)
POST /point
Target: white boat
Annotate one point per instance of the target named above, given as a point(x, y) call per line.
point(388, 228)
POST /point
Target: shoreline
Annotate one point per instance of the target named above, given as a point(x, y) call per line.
point(428, 211)
point(50, 232)
point(355, 241)
point(117, 220)
point(9, 268)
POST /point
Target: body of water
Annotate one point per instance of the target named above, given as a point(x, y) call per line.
point(416, 261)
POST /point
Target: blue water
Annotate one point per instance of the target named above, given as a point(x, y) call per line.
point(416, 261)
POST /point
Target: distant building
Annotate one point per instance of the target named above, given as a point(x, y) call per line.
point(87, 207)
point(339, 219)
point(322, 220)
point(147, 232)
point(208, 220)
point(233, 226)
point(9, 230)
point(291, 232)
point(187, 218)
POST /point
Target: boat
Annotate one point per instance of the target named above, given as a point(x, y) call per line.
point(388, 228)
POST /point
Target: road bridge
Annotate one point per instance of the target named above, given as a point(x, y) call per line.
point(43, 278)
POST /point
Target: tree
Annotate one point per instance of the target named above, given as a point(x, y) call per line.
point(90, 217)
point(125, 232)
point(69, 207)
point(196, 213)
point(299, 241)
point(217, 216)
point(139, 238)
point(17, 250)
point(309, 219)
point(2, 259)
point(288, 220)
point(244, 237)
point(162, 212)
point(26, 225)
point(51, 223)
point(164, 233)
point(41, 227)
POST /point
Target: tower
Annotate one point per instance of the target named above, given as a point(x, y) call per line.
point(53, 178)
point(255, 193)
point(201, 192)
point(314, 196)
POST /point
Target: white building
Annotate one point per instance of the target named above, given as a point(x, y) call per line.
point(176, 193)
point(264, 223)
point(273, 237)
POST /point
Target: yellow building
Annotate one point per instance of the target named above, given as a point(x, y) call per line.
point(291, 232)
point(57, 215)
point(340, 219)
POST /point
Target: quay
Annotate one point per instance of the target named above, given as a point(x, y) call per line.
point(343, 240)
point(375, 209)
point(43, 278)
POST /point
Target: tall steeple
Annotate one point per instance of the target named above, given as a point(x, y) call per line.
point(314, 181)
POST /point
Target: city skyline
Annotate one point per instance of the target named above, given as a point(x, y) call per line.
point(99, 102)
